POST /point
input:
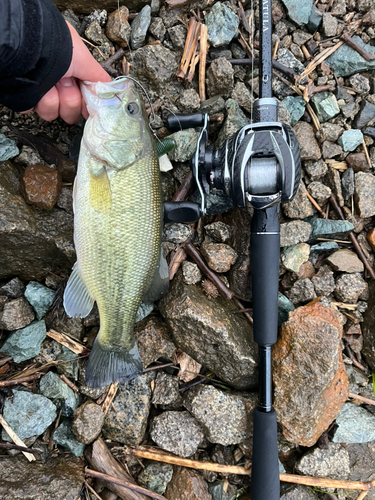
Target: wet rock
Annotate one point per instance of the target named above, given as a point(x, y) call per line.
point(59, 478)
point(8, 148)
point(316, 170)
point(222, 491)
point(25, 343)
point(292, 233)
point(219, 256)
point(308, 144)
point(98, 15)
point(285, 306)
point(155, 63)
point(220, 79)
point(14, 289)
point(301, 292)
point(324, 282)
point(118, 28)
point(350, 139)
point(346, 61)
point(155, 477)
point(64, 436)
point(187, 484)
point(327, 228)
point(243, 96)
point(54, 388)
point(178, 36)
point(325, 105)
point(209, 332)
point(190, 101)
point(234, 121)
point(177, 232)
point(300, 207)
point(222, 25)
point(346, 261)
point(294, 256)
point(224, 417)
point(320, 192)
point(139, 27)
point(191, 273)
point(363, 194)
point(284, 56)
point(357, 162)
point(88, 421)
point(166, 392)
point(40, 297)
point(16, 314)
point(95, 34)
point(65, 200)
point(332, 462)
point(295, 106)
point(296, 491)
point(127, 421)
point(177, 432)
point(28, 414)
point(350, 287)
point(186, 143)
point(153, 340)
point(299, 13)
point(355, 425)
point(316, 386)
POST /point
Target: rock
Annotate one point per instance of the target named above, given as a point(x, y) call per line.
point(59, 478)
point(346, 61)
point(222, 25)
point(155, 477)
point(98, 16)
point(325, 105)
point(327, 228)
point(219, 256)
point(234, 121)
point(118, 28)
point(40, 297)
point(308, 144)
point(220, 79)
point(243, 96)
point(177, 432)
point(218, 231)
point(301, 292)
point(350, 139)
point(28, 414)
point(295, 106)
point(127, 421)
point(209, 332)
point(363, 194)
point(25, 343)
point(324, 282)
point(332, 462)
point(333, 180)
point(329, 24)
point(191, 273)
point(139, 28)
point(350, 287)
point(347, 183)
point(368, 329)
point(14, 289)
point(87, 6)
point(177, 35)
point(285, 306)
point(220, 490)
point(320, 192)
point(324, 247)
point(95, 34)
point(284, 56)
point(296, 491)
point(155, 63)
point(224, 417)
point(166, 392)
point(87, 422)
point(360, 84)
point(330, 150)
point(365, 116)
point(329, 132)
point(294, 256)
point(346, 261)
point(186, 143)
point(73, 19)
point(65, 200)
point(316, 170)
point(64, 436)
point(315, 20)
point(8, 148)
point(187, 484)
point(53, 387)
point(355, 425)
point(299, 13)
point(153, 340)
point(190, 100)
point(300, 207)
point(292, 233)
point(16, 314)
point(357, 162)
point(316, 386)
point(177, 232)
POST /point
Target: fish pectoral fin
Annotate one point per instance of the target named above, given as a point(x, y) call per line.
point(77, 300)
point(100, 190)
point(160, 282)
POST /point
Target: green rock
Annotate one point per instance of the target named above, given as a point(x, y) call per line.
point(299, 12)
point(285, 306)
point(346, 61)
point(28, 415)
point(40, 297)
point(52, 387)
point(325, 105)
point(350, 139)
point(295, 106)
point(325, 246)
point(235, 120)
point(64, 436)
point(8, 148)
point(70, 368)
point(328, 228)
point(356, 425)
point(222, 25)
point(156, 476)
point(294, 256)
point(186, 144)
point(25, 343)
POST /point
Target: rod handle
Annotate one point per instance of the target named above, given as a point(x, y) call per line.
point(182, 122)
point(265, 478)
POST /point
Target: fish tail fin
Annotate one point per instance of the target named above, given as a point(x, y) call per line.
point(108, 365)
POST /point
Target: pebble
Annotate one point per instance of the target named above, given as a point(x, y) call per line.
point(331, 150)
point(177, 432)
point(139, 28)
point(365, 115)
point(177, 35)
point(294, 256)
point(350, 287)
point(118, 28)
point(153, 340)
point(41, 186)
point(28, 414)
point(243, 96)
point(347, 183)
point(156, 476)
point(324, 282)
point(296, 491)
point(54, 388)
point(350, 139)
point(299, 13)
point(14, 289)
point(222, 25)
point(357, 162)
point(187, 484)
point(364, 193)
point(325, 105)
point(233, 122)
point(296, 107)
point(330, 24)
point(308, 144)
point(8, 148)
point(300, 207)
point(360, 83)
point(221, 490)
point(224, 417)
point(177, 232)
point(155, 63)
point(285, 306)
point(218, 231)
point(329, 132)
point(25, 343)
point(301, 292)
point(320, 192)
point(332, 462)
point(292, 233)
point(219, 256)
point(345, 261)
point(191, 272)
point(87, 422)
point(186, 143)
point(95, 34)
point(220, 77)
point(355, 425)
point(16, 314)
point(190, 100)
point(316, 170)
point(166, 392)
point(328, 228)
point(40, 297)
point(64, 436)
point(346, 61)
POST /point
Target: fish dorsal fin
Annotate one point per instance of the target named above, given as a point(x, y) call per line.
point(74, 194)
point(160, 282)
point(100, 190)
point(77, 300)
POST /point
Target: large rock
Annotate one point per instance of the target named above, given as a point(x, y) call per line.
point(299, 12)
point(155, 63)
point(332, 462)
point(355, 425)
point(59, 478)
point(364, 193)
point(209, 332)
point(346, 61)
point(362, 457)
point(222, 25)
point(309, 394)
point(25, 343)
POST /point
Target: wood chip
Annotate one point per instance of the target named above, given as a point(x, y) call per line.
point(109, 397)
point(66, 341)
point(189, 368)
point(15, 438)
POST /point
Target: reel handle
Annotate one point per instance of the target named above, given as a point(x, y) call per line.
point(182, 122)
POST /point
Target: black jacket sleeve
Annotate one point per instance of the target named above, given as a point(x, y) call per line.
point(35, 51)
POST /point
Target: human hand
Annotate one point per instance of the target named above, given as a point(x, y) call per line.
point(65, 98)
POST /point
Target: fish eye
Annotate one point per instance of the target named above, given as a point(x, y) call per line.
point(132, 108)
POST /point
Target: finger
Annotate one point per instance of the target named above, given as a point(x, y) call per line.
point(48, 107)
point(70, 100)
point(27, 112)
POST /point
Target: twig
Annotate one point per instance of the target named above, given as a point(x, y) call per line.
point(183, 191)
point(5, 360)
point(11, 446)
point(66, 341)
point(352, 357)
point(245, 45)
point(177, 259)
point(306, 53)
point(316, 204)
point(362, 398)
point(92, 491)
point(69, 383)
point(110, 396)
point(121, 482)
point(354, 45)
point(335, 241)
point(243, 310)
point(322, 56)
point(158, 367)
point(193, 64)
point(341, 166)
point(242, 15)
point(351, 307)
point(107, 65)
point(202, 63)
point(190, 47)
point(57, 422)
point(275, 49)
point(366, 153)
point(362, 495)
point(7, 428)
point(9, 383)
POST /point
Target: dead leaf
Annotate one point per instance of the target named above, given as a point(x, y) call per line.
point(189, 368)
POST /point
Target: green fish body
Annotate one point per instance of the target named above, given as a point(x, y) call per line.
point(117, 227)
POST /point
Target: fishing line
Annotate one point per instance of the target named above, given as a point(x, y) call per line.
point(252, 27)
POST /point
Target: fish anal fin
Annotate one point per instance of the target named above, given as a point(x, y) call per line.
point(77, 300)
point(100, 191)
point(160, 282)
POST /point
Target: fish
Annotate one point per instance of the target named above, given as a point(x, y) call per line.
point(118, 215)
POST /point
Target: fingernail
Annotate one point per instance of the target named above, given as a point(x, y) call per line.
point(66, 82)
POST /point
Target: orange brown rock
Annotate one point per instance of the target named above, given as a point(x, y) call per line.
point(187, 484)
point(371, 238)
point(41, 186)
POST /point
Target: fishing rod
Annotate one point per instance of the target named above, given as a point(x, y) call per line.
point(259, 166)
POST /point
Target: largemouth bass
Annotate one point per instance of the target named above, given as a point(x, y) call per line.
point(118, 210)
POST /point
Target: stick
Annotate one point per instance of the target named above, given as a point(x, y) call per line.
point(366, 153)
point(30, 457)
point(176, 261)
point(8, 383)
point(69, 383)
point(354, 45)
point(193, 65)
point(183, 191)
point(66, 341)
point(243, 310)
point(107, 65)
point(202, 63)
point(322, 56)
point(92, 491)
point(316, 204)
point(361, 398)
point(275, 49)
point(10, 446)
point(190, 45)
point(110, 396)
point(5, 360)
point(362, 495)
